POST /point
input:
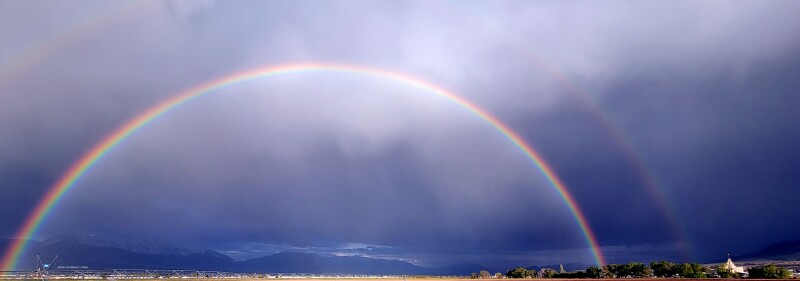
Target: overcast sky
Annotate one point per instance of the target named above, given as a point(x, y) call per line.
point(701, 97)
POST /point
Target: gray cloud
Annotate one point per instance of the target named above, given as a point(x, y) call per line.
point(704, 92)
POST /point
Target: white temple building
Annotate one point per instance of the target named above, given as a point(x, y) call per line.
point(733, 268)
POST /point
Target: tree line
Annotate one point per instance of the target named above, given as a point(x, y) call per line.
point(657, 269)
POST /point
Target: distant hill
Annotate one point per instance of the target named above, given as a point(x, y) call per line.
point(75, 254)
point(784, 251)
point(6, 242)
point(97, 253)
point(142, 246)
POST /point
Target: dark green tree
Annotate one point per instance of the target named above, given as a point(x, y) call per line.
point(633, 270)
point(769, 271)
point(648, 272)
point(519, 272)
point(692, 270)
point(594, 272)
point(611, 271)
point(663, 268)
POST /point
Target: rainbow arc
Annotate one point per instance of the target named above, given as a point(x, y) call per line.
point(78, 169)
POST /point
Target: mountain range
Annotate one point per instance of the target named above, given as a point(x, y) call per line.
point(782, 251)
point(103, 253)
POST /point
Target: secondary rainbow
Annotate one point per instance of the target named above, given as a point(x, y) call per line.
point(100, 149)
point(643, 171)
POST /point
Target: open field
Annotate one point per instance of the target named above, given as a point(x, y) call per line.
point(429, 278)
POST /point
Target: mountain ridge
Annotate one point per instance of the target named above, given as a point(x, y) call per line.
point(788, 250)
point(93, 254)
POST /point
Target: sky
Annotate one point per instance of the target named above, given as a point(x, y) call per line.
point(673, 124)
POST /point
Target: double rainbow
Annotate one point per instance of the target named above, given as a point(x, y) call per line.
point(100, 149)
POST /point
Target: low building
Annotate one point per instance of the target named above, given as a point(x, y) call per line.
point(732, 267)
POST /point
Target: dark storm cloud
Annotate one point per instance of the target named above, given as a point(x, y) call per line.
point(727, 150)
point(704, 92)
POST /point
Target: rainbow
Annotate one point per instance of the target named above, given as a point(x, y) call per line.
point(68, 180)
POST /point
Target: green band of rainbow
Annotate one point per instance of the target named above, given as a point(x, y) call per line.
point(78, 169)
